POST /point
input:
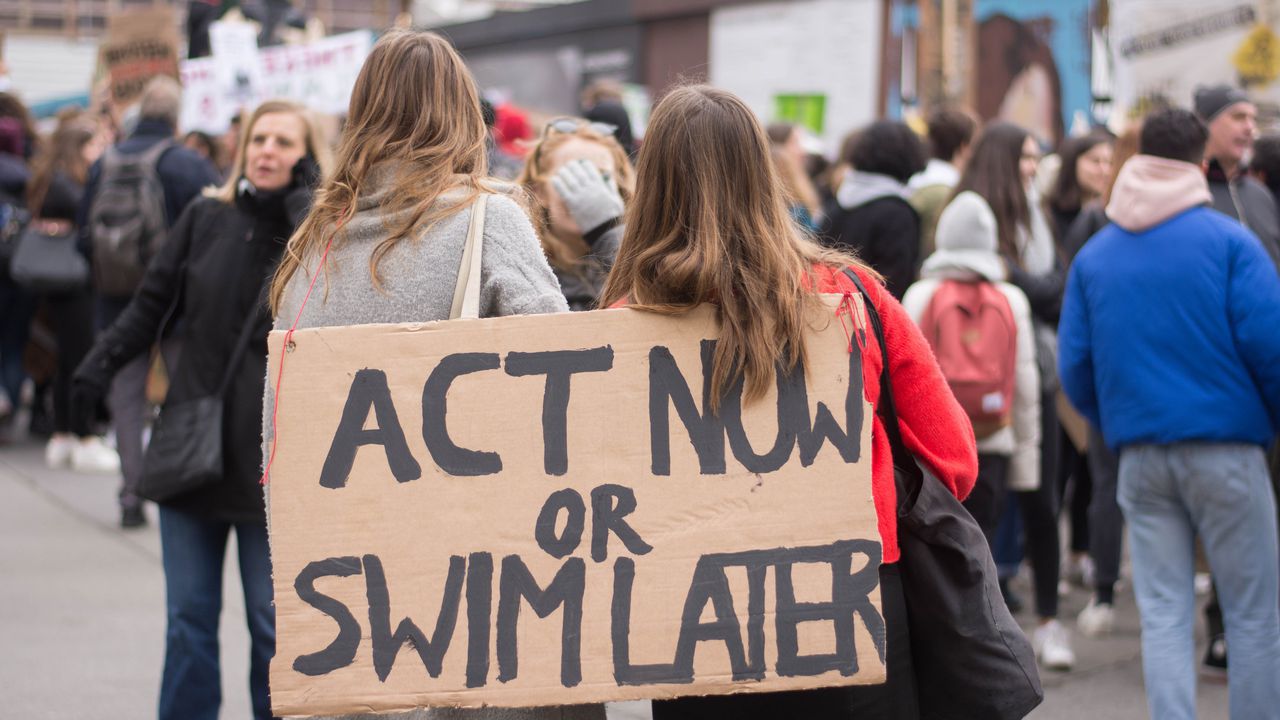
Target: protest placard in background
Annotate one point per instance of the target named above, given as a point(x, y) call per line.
point(542, 510)
point(1162, 49)
point(139, 45)
point(319, 75)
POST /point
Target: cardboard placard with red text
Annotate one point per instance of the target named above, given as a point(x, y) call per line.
point(543, 510)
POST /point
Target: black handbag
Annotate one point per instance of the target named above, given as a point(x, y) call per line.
point(48, 262)
point(185, 452)
point(971, 658)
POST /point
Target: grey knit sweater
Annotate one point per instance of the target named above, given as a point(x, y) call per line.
point(418, 276)
point(417, 279)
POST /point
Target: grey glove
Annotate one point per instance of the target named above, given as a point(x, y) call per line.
point(591, 199)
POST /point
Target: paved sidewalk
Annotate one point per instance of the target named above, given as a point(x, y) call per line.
point(82, 616)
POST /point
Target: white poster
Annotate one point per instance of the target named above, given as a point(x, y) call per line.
point(828, 49)
point(319, 75)
point(1162, 49)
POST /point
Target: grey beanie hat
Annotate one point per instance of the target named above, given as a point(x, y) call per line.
point(967, 223)
point(1210, 100)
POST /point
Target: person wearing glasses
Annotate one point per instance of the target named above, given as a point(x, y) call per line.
point(580, 180)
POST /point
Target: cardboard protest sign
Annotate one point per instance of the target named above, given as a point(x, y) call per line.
point(139, 45)
point(543, 510)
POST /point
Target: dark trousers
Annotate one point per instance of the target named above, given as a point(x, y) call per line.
point(986, 502)
point(71, 315)
point(1074, 473)
point(896, 699)
point(1040, 515)
point(16, 308)
point(1106, 521)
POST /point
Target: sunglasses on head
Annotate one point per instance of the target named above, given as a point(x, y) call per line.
point(567, 126)
point(572, 124)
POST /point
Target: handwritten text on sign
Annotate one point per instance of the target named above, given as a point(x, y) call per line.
point(543, 510)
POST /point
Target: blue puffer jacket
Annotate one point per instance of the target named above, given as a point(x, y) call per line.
point(1170, 328)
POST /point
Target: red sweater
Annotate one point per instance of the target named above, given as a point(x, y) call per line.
point(934, 427)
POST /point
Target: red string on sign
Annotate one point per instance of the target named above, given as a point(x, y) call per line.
point(288, 340)
point(847, 307)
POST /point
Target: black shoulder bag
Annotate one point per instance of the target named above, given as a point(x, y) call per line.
point(186, 441)
point(971, 659)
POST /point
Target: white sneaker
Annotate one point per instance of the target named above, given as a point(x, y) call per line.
point(91, 455)
point(1052, 644)
point(1096, 619)
point(57, 453)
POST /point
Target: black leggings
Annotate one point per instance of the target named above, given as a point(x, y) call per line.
point(896, 699)
point(1040, 515)
point(1074, 471)
point(71, 315)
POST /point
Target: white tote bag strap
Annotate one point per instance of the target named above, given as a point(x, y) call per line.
point(466, 295)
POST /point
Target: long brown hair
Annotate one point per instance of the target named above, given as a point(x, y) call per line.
point(709, 223)
point(795, 182)
point(415, 107)
point(566, 253)
point(1067, 194)
point(317, 146)
point(993, 172)
point(63, 153)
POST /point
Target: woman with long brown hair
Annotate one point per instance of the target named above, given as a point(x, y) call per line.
point(53, 196)
point(386, 236)
point(1001, 170)
point(580, 180)
point(710, 224)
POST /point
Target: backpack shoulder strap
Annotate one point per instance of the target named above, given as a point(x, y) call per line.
point(151, 156)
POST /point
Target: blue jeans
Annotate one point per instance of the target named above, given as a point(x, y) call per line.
point(193, 549)
point(1221, 492)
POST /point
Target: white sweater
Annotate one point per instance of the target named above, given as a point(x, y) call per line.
point(1020, 440)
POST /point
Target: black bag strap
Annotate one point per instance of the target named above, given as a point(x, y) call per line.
point(907, 475)
point(242, 344)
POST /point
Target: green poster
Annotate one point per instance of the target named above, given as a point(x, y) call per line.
point(807, 110)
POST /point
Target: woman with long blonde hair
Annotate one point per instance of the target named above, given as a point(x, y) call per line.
point(580, 180)
point(710, 224)
point(213, 269)
point(385, 238)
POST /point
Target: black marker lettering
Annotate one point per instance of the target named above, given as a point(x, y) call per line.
point(342, 651)
point(559, 366)
point(368, 393)
point(454, 460)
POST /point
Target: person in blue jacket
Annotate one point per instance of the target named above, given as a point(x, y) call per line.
point(1168, 344)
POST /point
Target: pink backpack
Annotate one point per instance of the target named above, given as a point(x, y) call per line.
point(971, 329)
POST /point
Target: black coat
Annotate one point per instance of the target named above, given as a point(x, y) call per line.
point(212, 271)
point(884, 233)
point(1248, 201)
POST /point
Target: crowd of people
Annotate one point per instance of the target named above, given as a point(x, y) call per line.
point(1080, 329)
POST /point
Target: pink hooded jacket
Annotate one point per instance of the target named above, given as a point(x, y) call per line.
point(1150, 190)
